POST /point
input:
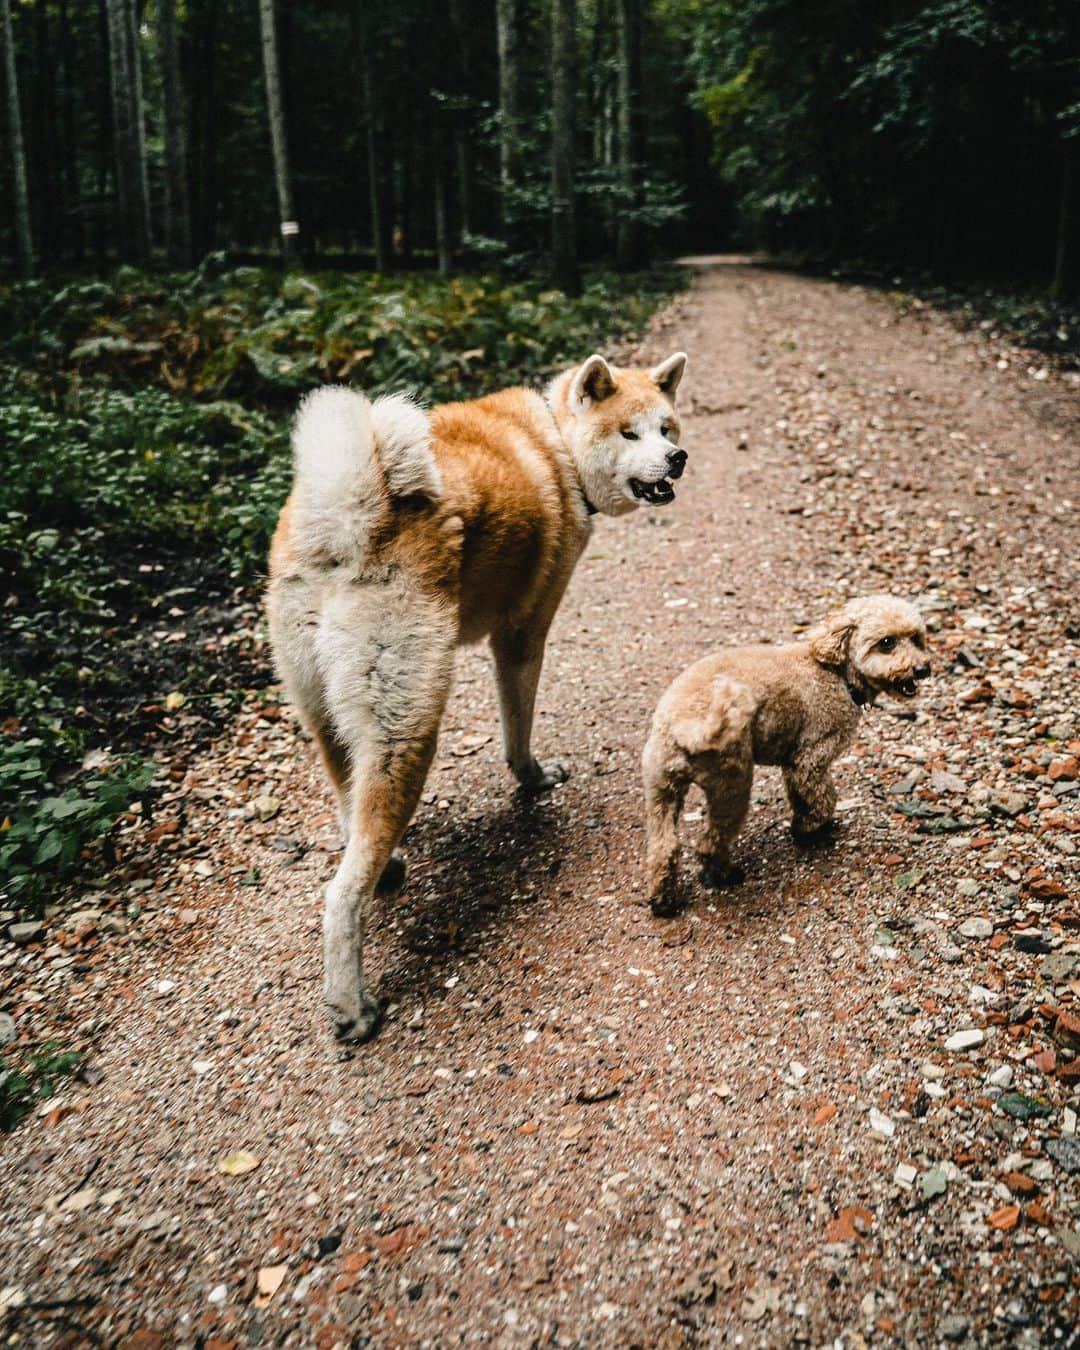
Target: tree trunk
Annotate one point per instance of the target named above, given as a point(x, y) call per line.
point(506, 38)
point(177, 207)
point(375, 147)
point(563, 238)
point(139, 116)
point(73, 207)
point(134, 239)
point(443, 250)
point(288, 225)
point(628, 51)
point(23, 243)
point(1063, 257)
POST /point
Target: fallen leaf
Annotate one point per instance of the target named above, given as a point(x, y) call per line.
point(238, 1164)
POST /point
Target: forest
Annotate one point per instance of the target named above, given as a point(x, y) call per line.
point(934, 136)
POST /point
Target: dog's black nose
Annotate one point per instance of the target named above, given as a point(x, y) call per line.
point(921, 672)
point(676, 462)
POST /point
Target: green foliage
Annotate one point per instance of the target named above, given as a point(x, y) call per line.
point(23, 1085)
point(144, 423)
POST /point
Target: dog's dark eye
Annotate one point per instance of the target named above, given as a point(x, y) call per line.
point(629, 435)
point(665, 430)
point(886, 644)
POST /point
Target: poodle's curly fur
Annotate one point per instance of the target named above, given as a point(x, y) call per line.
point(796, 706)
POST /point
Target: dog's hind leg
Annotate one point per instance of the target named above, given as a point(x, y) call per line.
point(518, 659)
point(386, 788)
point(727, 798)
point(335, 758)
point(666, 782)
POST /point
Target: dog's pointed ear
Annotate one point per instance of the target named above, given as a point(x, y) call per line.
point(668, 374)
point(829, 642)
point(593, 382)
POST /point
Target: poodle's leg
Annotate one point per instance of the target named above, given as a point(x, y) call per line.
point(666, 784)
point(727, 794)
point(812, 795)
point(519, 656)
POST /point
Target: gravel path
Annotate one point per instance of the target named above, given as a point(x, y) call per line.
point(581, 1125)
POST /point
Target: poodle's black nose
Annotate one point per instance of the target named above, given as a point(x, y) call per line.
point(676, 462)
point(921, 672)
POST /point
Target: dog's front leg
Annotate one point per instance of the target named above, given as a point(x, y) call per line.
point(518, 659)
point(812, 794)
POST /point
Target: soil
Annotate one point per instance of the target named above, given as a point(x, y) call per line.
point(581, 1124)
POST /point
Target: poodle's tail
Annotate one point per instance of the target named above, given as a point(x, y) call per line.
point(725, 722)
point(350, 458)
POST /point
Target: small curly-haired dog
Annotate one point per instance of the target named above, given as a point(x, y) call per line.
point(796, 706)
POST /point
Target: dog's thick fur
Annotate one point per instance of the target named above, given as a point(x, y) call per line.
point(796, 706)
point(408, 533)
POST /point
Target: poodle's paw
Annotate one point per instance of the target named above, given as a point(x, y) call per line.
point(357, 1022)
point(807, 833)
point(393, 876)
point(717, 872)
point(665, 898)
point(539, 777)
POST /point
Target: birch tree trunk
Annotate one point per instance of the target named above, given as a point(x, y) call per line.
point(177, 206)
point(289, 250)
point(628, 29)
point(506, 39)
point(563, 236)
point(23, 241)
point(134, 237)
point(139, 119)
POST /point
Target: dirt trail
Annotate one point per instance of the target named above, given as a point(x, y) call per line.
point(581, 1124)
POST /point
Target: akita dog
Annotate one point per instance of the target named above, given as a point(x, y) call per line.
point(410, 532)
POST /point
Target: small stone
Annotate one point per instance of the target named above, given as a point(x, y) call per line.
point(22, 933)
point(977, 928)
point(7, 1029)
point(113, 925)
point(967, 1039)
point(953, 1327)
point(218, 1294)
point(1065, 1152)
point(881, 1124)
point(266, 808)
point(934, 1182)
point(905, 1175)
point(1002, 1077)
point(188, 917)
point(1021, 1107)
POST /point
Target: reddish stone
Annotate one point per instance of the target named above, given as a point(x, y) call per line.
point(1067, 1029)
point(1065, 770)
point(824, 1113)
point(1005, 1219)
point(1038, 1212)
point(1020, 1183)
point(1069, 1073)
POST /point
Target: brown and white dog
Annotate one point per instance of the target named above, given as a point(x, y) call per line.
point(410, 532)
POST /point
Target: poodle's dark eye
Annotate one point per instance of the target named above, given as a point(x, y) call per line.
point(886, 644)
point(629, 435)
point(665, 430)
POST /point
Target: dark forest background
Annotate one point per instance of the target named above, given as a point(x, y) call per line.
point(938, 136)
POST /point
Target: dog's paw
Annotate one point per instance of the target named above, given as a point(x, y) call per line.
point(543, 777)
point(715, 874)
point(393, 876)
point(358, 1023)
point(808, 833)
point(666, 899)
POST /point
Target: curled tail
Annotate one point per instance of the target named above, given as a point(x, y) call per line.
point(350, 458)
point(724, 722)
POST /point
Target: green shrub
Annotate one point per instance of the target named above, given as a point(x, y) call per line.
point(23, 1085)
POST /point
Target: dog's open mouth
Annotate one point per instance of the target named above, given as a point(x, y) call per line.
point(906, 688)
point(657, 494)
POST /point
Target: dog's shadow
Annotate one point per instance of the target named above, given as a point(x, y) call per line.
point(466, 877)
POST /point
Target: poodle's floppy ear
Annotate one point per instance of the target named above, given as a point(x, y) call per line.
point(829, 643)
point(668, 374)
point(593, 382)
